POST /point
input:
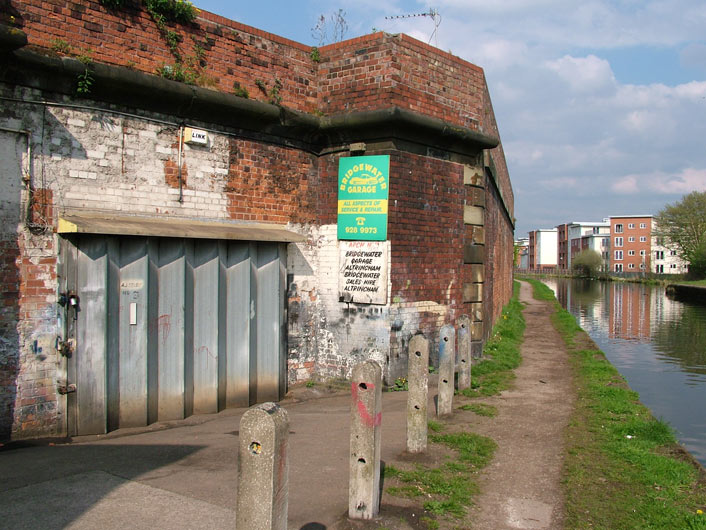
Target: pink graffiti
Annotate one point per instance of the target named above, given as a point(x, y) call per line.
point(164, 324)
point(365, 416)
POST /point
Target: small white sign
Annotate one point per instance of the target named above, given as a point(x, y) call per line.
point(195, 136)
point(363, 272)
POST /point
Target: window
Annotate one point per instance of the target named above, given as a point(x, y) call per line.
point(643, 239)
point(673, 266)
point(659, 254)
point(631, 252)
point(618, 267)
point(618, 254)
point(631, 266)
point(618, 229)
point(605, 242)
point(672, 252)
point(618, 241)
point(659, 269)
point(642, 253)
point(631, 225)
point(631, 239)
point(642, 265)
point(643, 225)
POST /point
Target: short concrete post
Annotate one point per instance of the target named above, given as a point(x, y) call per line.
point(263, 468)
point(447, 359)
point(464, 352)
point(366, 417)
point(418, 384)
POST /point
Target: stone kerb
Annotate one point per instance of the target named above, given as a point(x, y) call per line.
point(366, 417)
point(263, 468)
point(418, 384)
point(464, 352)
point(447, 360)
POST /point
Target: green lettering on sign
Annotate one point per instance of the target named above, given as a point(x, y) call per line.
point(362, 197)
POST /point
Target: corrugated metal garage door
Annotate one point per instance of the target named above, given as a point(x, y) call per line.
point(170, 327)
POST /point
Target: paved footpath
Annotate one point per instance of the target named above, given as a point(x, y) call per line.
point(183, 475)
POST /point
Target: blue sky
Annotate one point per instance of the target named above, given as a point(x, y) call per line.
point(601, 104)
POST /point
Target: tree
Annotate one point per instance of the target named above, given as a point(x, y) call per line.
point(587, 263)
point(683, 225)
point(330, 30)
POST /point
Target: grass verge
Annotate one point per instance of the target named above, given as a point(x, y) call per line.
point(446, 490)
point(501, 353)
point(623, 468)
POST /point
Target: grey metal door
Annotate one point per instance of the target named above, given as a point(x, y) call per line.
point(169, 327)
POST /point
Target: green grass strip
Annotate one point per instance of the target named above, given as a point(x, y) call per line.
point(481, 409)
point(446, 491)
point(501, 353)
point(623, 468)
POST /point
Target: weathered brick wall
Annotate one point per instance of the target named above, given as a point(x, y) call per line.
point(426, 232)
point(497, 289)
point(228, 53)
point(113, 160)
point(382, 70)
point(27, 316)
point(12, 145)
point(369, 72)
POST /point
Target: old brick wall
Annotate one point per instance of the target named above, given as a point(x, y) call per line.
point(497, 289)
point(382, 70)
point(228, 54)
point(109, 161)
point(114, 160)
point(27, 316)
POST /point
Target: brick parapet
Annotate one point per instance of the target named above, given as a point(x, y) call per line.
point(369, 72)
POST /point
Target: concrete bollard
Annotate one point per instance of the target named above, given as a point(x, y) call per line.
point(447, 359)
point(418, 384)
point(263, 468)
point(464, 352)
point(366, 417)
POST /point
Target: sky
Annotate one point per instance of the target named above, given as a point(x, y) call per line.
point(601, 104)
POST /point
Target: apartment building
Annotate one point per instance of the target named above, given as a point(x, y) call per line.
point(543, 248)
point(577, 236)
point(562, 247)
point(631, 243)
point(665, 259)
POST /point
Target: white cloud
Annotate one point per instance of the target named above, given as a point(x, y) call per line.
point(685, 181)
point(584, 74)
point(625, 185)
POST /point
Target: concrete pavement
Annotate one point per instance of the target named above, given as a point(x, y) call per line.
point(184, 474)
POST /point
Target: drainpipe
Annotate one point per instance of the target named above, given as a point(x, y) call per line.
point(181, 182)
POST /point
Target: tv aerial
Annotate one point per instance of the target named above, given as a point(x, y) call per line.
point(433, 14)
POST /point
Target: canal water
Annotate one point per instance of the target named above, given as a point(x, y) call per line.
point(658, 344)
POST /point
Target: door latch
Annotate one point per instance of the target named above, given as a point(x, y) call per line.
point(66, 389)
point(65, 347)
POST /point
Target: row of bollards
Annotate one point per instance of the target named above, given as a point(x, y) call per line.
point(264, 433)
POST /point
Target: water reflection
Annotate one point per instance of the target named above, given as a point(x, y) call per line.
point(657, 343)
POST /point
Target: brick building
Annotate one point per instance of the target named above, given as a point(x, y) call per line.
point(173, 248)
point(631, 243)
